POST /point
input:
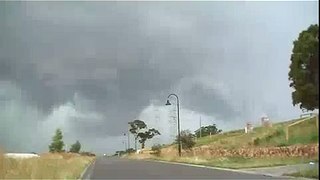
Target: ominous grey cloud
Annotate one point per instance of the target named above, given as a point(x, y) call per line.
point(227, 60)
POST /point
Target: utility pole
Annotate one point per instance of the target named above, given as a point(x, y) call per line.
point(125, 145)
point(200, 126)
point(128, 138)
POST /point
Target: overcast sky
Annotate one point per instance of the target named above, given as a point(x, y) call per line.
point(90, 67)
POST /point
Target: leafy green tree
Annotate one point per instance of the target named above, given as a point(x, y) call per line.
point(75, 148)
point(135, 127)
point(139, 129)
point(187, 139)
point(207, 130)
point(304, 69)
point(57, 142)
point(144, 136)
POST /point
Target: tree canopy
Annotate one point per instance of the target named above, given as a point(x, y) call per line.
point(75, 148)
point(136, 126)
point(57, 142)
point(139, 129)
point(206, 130)
point(304, 69)
point(144, 136)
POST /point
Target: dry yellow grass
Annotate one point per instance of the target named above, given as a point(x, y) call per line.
point(48, 166)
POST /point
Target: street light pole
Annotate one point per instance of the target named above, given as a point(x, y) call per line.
point(124, 134)
point(125, 145)
point(200, 127)
point(128, 134)
point(178, 111)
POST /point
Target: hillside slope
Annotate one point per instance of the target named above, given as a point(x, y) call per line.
point(305, 132)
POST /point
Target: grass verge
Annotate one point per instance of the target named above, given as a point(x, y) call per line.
point(309, 173)
point(240, 162)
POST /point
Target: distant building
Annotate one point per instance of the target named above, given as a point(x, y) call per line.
point(265, 121)
point(248, 128)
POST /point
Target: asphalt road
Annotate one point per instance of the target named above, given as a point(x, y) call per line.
point(117, 168)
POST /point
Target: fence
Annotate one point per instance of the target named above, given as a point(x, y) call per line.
point(308, 117)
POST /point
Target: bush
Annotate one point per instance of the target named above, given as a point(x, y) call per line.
point(87, 154)
point(283, 144)
point(256, 141)
point(156, 149)
point(131, 150)
point(75, 148)
point(187, 139)
point(269, 137)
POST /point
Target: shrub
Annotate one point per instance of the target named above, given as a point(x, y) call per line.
point(268, 138)
point(87, 154)
point(187, 139)
point(75, 148)
point(256, 141)
point(156, 149)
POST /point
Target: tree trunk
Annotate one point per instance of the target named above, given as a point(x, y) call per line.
point(135, 144)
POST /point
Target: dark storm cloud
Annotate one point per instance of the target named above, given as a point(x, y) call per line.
point(120, 55)
point(209, 101)
point(103, 53)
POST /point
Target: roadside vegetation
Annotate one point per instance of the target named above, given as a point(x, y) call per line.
point(47, 166)
point(57, 164)
point(238, 162)
point(304, 133)
point(310, 173)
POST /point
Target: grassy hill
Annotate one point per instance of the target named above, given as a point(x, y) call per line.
point(302, 133)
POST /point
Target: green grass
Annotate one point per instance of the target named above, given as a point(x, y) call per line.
point(242, 162)
point(302, 133)
point(309, 173)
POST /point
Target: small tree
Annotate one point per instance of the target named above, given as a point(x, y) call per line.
point(156, 149)
point(75, 148)
point(187, 139)
point(57, 143)
point(207, 130)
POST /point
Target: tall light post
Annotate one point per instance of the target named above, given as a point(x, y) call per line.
point(125, 145)
point(179, 138)
point(127, 134)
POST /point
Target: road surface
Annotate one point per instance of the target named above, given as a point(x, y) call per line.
point(117, 168)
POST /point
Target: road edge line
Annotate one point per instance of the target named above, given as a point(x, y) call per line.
point(86, 170)
point(219, 168)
